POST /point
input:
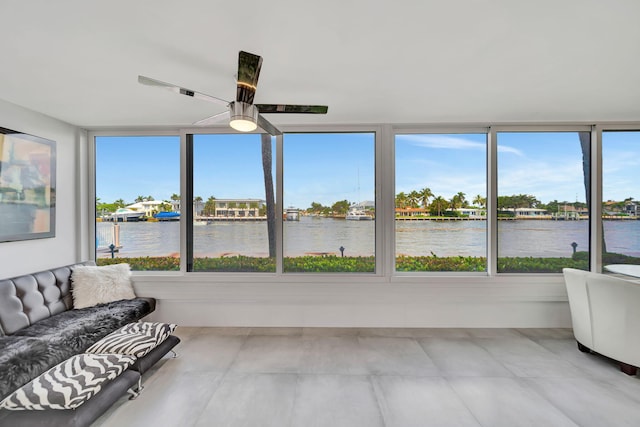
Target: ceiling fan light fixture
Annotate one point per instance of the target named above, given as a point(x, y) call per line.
point(244, 117)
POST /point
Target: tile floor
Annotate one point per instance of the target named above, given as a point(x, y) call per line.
point(295, 377)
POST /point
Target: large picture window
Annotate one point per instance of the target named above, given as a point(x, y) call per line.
point(329, 199)
point(319, 211)
point(543, 215)
point(137, 201)
point(230, 222)
point(440, 202)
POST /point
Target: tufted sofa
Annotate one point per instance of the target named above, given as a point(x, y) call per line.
point(40, 329)
point(605, 316)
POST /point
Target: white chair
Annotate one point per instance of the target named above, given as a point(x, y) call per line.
point(576, 282)
point(605, 316)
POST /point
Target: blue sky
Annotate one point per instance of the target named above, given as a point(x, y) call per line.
point(322, 168)
point(545, 165)
point(127, 167)
point(326, 168)
point(620, 165)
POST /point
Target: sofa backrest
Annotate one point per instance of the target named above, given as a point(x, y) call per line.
point(27, 299)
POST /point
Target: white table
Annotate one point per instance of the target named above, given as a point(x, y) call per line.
point(626, 269)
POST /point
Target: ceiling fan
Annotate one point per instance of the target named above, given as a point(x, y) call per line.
point(244, 115)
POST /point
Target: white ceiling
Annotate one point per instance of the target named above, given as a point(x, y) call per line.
point(373, 61)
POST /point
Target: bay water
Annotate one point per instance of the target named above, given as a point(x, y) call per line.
point(317, 235)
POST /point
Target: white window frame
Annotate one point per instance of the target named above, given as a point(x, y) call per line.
point(548, 287)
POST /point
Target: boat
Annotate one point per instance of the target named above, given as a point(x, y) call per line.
point(292, 214)
point(126, 215)
point(355, 214)
point(167, 216)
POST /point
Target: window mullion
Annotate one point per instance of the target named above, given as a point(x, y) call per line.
point(492, 198)
point(279, 204)
point(596, 225)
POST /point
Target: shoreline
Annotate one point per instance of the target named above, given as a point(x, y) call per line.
point(536, 218)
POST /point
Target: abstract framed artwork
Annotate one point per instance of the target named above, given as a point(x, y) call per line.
point(27, 186)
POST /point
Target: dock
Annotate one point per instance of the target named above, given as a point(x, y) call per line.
point(439, 218)
point(208, 219)
point(107, 237)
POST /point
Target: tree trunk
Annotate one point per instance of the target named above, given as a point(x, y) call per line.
point(269, 193)
point(585, 145)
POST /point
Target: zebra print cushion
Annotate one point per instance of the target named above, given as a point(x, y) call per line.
point(160, 331)
point(135, 339)
point(69, 384)
point(136, 345)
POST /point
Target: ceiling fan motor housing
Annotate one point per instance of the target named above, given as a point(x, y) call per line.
point(244, 116)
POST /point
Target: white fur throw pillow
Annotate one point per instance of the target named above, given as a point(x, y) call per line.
point(91, 285)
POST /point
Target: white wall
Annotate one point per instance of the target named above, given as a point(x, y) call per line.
point(34, 255)
point(203, 299)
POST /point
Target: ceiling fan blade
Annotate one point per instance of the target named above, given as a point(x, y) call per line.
point(267, 126)
point(293, 109)
point(248, 73)
point(216, 118)
point(182, 91)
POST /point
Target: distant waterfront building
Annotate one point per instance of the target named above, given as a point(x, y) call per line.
point(365, 205)
point(529, 212)
point(571, 212)
point(238, 208)
point(472, 212)
point(411, 212)
point(632, 209)
point(149, 207)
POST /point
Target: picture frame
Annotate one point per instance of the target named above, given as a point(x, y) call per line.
point(27, 186)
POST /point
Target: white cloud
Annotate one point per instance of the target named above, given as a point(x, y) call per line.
point(545, 180)
point(452, 143)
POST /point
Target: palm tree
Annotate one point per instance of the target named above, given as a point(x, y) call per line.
point(462, 199)
point(197, 202)
point(457, 201)
point(414, 198)
point(585, 146)
point(164, 207)
point(438, 205)
point(425, 195)
point(210, 206)
point(269, 193)
point(479, 201)
point(119, 203)
point(453, 203)
point(139, 199)
point(401, 200)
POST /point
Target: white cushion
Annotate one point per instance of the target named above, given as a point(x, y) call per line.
point(93, 285)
